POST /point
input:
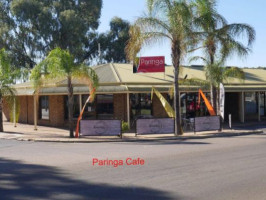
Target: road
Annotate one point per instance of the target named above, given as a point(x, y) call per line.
point(213, 168)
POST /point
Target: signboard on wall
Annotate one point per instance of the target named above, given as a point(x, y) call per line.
point(150, 64)
point(100, 127)
point(209, 123)
point(155, 126)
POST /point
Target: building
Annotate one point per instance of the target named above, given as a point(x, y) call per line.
point(125, 95)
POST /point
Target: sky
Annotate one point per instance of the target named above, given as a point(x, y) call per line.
point(251, 12)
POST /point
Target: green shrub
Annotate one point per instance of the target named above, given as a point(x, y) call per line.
point(125, 126)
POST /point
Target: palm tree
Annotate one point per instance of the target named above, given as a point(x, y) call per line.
point(219, 38)
point(216, 73)
point(60, 64)
point(166, 19)
point(7, 75)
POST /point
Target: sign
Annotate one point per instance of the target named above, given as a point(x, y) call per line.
point(100, 127)
point(222, 100)
point(150, 65)
point(209, 123)
point(155, 126)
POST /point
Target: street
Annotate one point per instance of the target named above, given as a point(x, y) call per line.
point(213, 168)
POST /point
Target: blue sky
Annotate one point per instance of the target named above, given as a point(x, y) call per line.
point(235, 11)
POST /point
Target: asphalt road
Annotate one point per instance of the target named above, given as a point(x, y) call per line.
point(213, 168)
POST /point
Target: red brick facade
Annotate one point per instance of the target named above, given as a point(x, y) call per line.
point(56, 110)
point(157, 107)
point(120, 106)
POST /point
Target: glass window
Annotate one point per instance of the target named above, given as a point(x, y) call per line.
point(44, 107)
point(141, 104)
point(90, 109)
point(105, 104)
point(190, 107)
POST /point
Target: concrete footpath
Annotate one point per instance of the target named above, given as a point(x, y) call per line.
point(25, 132)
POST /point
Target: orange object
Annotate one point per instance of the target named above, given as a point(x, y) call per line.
point(81, 113)
point(207, 103)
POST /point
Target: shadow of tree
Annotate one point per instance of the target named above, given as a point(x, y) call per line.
point(167, 142)
point(27, 181)
point(252, 77)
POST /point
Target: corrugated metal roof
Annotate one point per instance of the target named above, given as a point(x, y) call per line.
point(119, 78)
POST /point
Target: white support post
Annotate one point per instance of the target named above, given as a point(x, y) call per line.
point(35, 112)
point(259, 107)
point(128, 110)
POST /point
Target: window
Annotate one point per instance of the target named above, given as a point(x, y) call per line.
point(105, 106)
point(90, 109)
point(141, 104)
point(44, 107)
point(190, 107)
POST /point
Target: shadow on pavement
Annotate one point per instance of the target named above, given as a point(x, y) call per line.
point(27, 181)
point(168, 142)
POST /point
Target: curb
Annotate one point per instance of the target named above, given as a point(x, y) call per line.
point(137, 139)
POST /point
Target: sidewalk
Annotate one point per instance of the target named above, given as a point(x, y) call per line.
point(25, 132)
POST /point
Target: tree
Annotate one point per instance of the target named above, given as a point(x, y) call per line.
point(113, 42)
point(166, 19)
point(219, 40)
point(216, 73)
point(60, 64)
point(32, 28)
point(7, 74)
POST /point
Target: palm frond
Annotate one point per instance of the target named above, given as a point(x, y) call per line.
point(203, 84)
point(196, 58)
point(234, 72)
point(155, 6)
point(231, 46)
point(237, 30)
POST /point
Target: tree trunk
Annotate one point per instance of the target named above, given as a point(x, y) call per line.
point(213, 89)
point(70, 107)
point(176, 54)
point(1, 114)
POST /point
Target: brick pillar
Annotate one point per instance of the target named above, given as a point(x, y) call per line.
point(157, 107)
point(120, 106)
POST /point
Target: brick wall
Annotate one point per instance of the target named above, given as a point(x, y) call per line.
point(30, 103)
point(23, 116)
point(5, 110)
point(157, 108)
point(24, 109)
point(56, 112)
point(120, 106)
